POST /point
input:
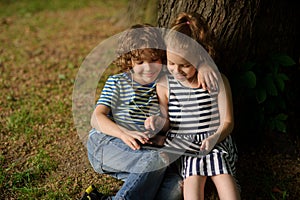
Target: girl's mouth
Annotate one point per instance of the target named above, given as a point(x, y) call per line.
point(179, 76)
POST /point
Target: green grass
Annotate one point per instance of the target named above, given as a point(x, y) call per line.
point(40, 54)
point(29, 7)
point(24, 182)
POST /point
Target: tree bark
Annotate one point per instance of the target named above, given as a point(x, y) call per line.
point(243, 29)
point(140, 11)
point(247, 30)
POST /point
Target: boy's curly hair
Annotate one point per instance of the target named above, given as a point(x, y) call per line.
point(137, 38)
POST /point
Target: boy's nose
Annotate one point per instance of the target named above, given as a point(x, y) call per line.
point(147, 65)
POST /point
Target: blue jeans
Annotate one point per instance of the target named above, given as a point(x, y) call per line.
point(170, 188)
point(142, 171)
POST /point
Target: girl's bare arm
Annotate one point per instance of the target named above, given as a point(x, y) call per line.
point(226, 116)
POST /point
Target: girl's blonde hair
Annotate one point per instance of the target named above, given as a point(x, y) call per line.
point(133, 42)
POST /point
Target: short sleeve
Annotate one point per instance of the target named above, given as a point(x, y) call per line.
point(110, 93)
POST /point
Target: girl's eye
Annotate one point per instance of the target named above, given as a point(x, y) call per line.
point(170, 63)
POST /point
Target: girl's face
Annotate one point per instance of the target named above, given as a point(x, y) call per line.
point(147, 67)
point(181, 69)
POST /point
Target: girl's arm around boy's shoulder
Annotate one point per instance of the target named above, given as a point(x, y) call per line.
point(226, 116)
point(226, 90)
point(225, 108)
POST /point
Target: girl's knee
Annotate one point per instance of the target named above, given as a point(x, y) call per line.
point(226, 186)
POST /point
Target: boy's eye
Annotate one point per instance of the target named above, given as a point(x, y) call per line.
point(155, 59)
point(139, 62)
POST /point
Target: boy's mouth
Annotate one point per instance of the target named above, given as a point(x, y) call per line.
point(149, 74)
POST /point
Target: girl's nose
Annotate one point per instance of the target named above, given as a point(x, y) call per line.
point(177, 68)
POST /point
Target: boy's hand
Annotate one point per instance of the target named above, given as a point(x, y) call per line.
point(134, 138)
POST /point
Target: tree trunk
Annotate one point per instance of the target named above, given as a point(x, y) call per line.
point(243, 29)
point(247, 31)
point(140, 11)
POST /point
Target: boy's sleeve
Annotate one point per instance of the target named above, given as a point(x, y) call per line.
point(109, 93)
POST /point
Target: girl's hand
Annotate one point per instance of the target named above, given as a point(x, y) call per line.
point(207, 77)
point(154, 123)
point(209, 143)
point(158, 140)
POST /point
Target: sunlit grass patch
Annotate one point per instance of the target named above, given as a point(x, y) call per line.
point(27, 7)
point(22, 122)
point(24, 180)
point(42, 47)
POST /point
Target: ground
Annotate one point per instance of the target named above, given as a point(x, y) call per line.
point(42, 156)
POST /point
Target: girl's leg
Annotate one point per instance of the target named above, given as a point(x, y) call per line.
point(193, 187)
point(226, 186)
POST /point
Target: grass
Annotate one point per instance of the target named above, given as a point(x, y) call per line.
point(27, 7)
point(42, 47)
point(24, 182)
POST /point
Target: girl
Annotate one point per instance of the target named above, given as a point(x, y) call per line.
point(199, 120)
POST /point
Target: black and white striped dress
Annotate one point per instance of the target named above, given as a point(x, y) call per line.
point(194, 115)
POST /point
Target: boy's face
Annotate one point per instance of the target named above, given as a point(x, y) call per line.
point(180, 68)
point(147, 67)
